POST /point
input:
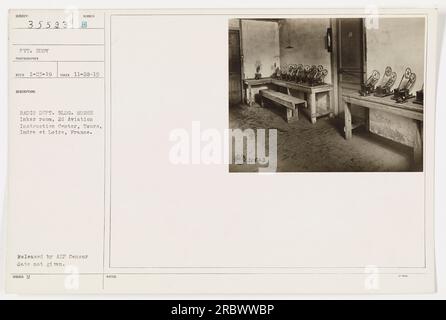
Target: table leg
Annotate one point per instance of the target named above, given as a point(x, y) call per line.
point(250, 103)
point(348, 120)
point(418, 145)
point(367, 120)
point(331, 103)
point(312, 105)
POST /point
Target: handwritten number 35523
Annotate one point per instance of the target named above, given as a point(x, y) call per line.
point(47, 25)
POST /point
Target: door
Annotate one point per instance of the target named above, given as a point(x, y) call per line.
point(235, 74)
point(351, 56)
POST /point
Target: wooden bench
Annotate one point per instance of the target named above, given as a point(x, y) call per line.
point(285, 100)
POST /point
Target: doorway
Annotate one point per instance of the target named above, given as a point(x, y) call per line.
point(235, 67)
point(351, 52)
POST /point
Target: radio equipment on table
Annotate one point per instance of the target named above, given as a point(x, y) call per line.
point(317, 75)
point(369, 86)
point(419, 98)
point(402, 93)
point(300, 74)
point(385, 87)
point(305, 74)
point(284, 72)
point(276, 74)
point(292, 70)
point(308, 75)
point(258, 75)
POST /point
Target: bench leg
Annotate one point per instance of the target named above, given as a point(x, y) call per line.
point(296, 113)
point(262, 103)
point(292, 112)
point(289, 114)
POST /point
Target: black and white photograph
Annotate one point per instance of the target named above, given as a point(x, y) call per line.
point(343, 94)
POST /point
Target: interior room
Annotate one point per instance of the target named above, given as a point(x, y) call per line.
point(344, 94)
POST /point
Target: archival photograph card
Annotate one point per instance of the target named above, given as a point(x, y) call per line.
point(221, 151)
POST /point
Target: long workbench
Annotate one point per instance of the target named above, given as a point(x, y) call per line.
point(407, 109)
point(310, 93)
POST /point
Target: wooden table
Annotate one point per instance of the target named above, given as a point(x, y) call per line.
point(407, 109)
point(249, 83)
point(309, 91)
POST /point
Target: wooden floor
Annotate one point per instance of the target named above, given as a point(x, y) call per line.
point(320, 147)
